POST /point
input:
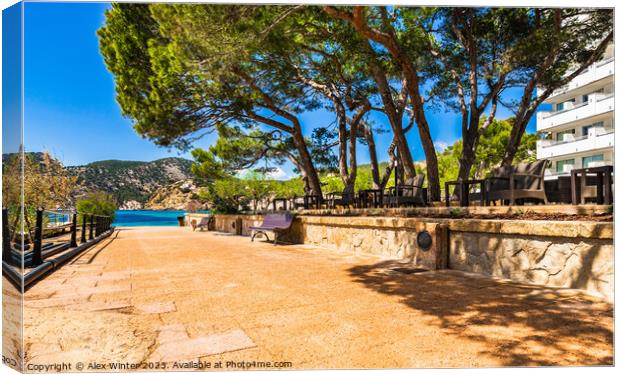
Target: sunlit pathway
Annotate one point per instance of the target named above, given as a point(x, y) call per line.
point(153, 295)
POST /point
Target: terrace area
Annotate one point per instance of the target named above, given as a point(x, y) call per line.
point(171, 295)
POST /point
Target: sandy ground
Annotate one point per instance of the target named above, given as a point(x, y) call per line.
point(160, 296)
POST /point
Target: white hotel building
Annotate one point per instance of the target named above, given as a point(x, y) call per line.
point(579, 130)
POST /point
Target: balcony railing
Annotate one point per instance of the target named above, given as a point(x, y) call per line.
point(601, 97)
point(595, 72)
point(547, 114)
point(551, 143)
point(593, 134)
point(596, 139)
point(604, 62)
point(598, 103)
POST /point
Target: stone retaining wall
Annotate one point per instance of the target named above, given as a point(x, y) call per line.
point(571, 254)
point(388, 237)
point(558, 254)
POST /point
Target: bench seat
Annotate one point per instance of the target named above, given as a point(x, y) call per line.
point(276, 223)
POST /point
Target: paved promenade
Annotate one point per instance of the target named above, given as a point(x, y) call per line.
point(152, 298)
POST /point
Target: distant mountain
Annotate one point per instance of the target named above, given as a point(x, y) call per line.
point(131, 182)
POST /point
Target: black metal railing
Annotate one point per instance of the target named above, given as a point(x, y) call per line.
point(48, 237)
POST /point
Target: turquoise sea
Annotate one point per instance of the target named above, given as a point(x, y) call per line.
point(147, 217)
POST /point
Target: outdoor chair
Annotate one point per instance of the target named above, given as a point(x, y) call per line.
point(204, 222)
point(409, 194)
point(343, 199)
point(308, 201)
point(281, 201)
point(278, 223)
point(517, 182)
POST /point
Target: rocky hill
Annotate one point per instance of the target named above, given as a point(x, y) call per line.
point(178, 196)
point(132, 183)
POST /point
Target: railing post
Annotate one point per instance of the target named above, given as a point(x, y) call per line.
point(90, 235)
point(6, 236)
point(37, 259)
point(83, 239)
point(74, 231)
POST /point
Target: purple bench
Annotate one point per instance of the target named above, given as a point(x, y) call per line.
point(204, 222)
point(276, 223)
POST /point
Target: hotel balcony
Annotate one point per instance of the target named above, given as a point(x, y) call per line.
point(597, 104)
point(599, 71)
point(597, 139)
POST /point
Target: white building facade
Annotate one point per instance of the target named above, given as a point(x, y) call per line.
point(578, 131)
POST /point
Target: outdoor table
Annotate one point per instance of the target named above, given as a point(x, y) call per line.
point(312, 200)
point(603, 184)
point(371, 197)
point(278, 199)
point(464, 187)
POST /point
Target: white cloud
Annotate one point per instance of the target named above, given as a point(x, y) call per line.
point(278, 173)
point(440, 146)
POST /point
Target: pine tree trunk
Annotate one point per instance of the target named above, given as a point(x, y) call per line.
point(374, 161)
point(342, 141)
point(432, 166)
point(516, 134)
point(305, 161)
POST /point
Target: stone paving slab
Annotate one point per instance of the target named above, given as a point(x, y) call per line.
point(187, 349)
point(93, 306)
point(57, 302)
point(171, 333)
point(155, 308)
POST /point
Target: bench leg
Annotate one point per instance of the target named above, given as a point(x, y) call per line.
point(275, 238)
point(256, 233)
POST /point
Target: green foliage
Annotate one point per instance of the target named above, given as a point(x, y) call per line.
point(116, 165)
point(226, 195)
point(489, 153)
point(289, 188)
point(183, 70)
point(448, 162)
point(256, 187)
point(207, 167)
point(99, 203)
point(37, 178)
point(236, 150)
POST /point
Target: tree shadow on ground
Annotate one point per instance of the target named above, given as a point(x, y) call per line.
point(519, 325)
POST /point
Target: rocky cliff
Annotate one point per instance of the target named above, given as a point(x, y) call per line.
point(178, 196)
point(133, 183)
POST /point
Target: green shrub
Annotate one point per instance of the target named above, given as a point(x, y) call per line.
point(99, 203)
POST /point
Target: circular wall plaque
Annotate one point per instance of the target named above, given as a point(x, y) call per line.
point(425, 240)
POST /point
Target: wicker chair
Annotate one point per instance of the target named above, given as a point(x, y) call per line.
point(343, 198)
point(411, 193)
point(522, 181)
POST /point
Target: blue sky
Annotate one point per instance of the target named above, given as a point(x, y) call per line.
point(70, 109)
point(11, 83)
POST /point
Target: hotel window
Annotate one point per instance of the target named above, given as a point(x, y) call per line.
point(565, 136)
point(584, 130)
point(584, 99)
point(564, 165)
point(562, 106)
point(587, 160)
